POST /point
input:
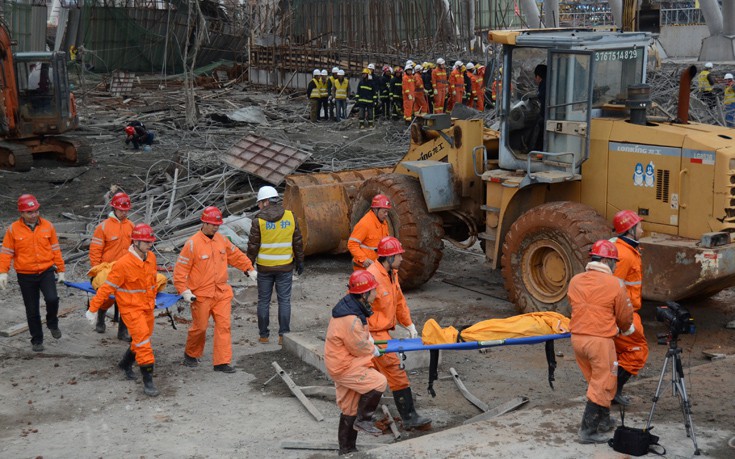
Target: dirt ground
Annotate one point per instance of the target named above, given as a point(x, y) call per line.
point(71, 401)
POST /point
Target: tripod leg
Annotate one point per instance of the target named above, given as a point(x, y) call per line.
point(658, 391)
point(686, 407)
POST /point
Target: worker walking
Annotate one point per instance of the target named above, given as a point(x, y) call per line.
point(366, 97)
point(276, 248)
point(706, 84)
point(110, 241)
point(368, 232)
point(729, 100)
point(632, 350)
point(348, 353)
point(31, 244)
point(200, 276)
point(313, 92)
point(390, 308)
point(600, 310)
point(409, 93)
point(133, 282)
point(440, 83)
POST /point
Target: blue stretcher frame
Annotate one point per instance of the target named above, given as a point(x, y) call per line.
point(415, 344)
point(163, 300)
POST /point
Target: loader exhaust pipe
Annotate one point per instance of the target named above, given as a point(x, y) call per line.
point(685, 88)
point(639, 98)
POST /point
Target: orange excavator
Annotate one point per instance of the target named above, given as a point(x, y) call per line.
point(36, 107)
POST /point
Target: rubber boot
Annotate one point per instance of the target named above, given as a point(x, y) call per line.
point(148, 388)
point(623, 377)
point(126, 365)
point(346, 434)
point(366, 407)
point(607, 422)
point(590, 421)
point(100, 327)
point(122, 331)
point(404, 403)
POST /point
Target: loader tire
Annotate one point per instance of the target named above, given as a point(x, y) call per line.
point(419, 231)
point(544, 249)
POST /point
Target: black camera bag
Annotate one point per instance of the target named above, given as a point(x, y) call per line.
point(636, 442)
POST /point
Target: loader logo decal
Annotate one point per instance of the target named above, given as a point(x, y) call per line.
point(430, 154)
point(617, 147)
point(646, 179)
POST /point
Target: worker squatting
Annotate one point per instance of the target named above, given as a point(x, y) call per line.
point(399, 92)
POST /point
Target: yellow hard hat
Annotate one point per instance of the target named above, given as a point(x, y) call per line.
point(366, 71)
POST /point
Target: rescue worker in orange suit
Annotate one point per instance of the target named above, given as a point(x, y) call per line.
point(390, 308)
point(133, 282)
point(409, 93)
point(632, 350)
point(31, 244)
point(469, 78)
point(348, 353)
point(456, 86)
point(369, 231)
point(600, 310)
point(422, 103)
point(440, 83)
point(200, 276)
point(478, 88)
point(110, 241)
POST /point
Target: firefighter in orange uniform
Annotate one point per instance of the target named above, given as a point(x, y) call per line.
point(600, 310)
point(110, 241)
point(133, 282)
point(409, 93)
point(390, 308)
point(456, 85)
point(478, 88)
point(440, 84)
point(632, 350)
point(348, 353)
point(422, 103)
point(363, 242)
point(31, 244)
point(200, 276)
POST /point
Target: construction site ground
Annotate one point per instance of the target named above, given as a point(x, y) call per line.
point(71, 400)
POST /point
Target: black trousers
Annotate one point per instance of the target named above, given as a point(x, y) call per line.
point(31, 287)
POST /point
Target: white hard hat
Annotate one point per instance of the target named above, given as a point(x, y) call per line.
point(470, 66)
point(335, 69)
point(267, 192)
point(708, 65)
point(409, 62)
point(324, 72)
point(409, 67)
point(371, 66)
point(340, 73)
point(418, 68)
point(458, 64)
point(440, 61)
point(728, 76)
point(317, 72)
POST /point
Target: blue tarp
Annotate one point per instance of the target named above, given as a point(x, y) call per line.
point(415, 344)
point(163, 300)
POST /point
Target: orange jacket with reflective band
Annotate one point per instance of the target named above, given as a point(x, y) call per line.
point(347, 345)
point(202, 265)
point(629, 268)
point(32, 252)
point(456, 82)
point(439, 79)
point(132, 281)
point(110, 241)
point(409, 85)
point(600, 304)
point(390, 303)
point(363, 242)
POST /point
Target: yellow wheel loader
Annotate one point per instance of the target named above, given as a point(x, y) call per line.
point(543, 186)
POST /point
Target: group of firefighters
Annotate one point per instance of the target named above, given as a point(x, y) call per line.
point(397, 92)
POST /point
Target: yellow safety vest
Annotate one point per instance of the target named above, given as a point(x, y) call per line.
point(276, 241)
point(729, 95)
point(316, 92)
point(703, 82)
point(323, 89)
point(341, 89)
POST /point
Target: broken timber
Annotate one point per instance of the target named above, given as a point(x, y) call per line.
point(19, 328)
point(297, 392)
point(391, 422)
point(467, 394)
point(499, 410)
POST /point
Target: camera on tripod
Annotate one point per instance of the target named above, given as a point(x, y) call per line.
point(678, 318)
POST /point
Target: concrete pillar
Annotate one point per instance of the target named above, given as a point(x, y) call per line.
point(728, 18)
point(533, 17)
point(616, 8)
point(551, 13)
point(720, 45)
point(712, 15)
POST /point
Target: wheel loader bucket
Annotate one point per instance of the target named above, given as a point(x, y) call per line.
point(322, 204)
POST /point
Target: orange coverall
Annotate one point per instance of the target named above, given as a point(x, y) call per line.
point(422, 103)
point(600, 307)
point(363, 242)
point(202, 268)
point(110, 241)
point(456, 85)
point(390, 306)
point(478, 91)
point(441, 87)
point(633, 349)
point(31, 251)
point(409, 96)
point(348, 355)
point(133, 282)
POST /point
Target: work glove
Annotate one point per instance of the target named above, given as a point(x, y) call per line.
point(412, 331)
point(629, 331)
point(370, 338)
point(188, 296)
point(91, 317)
point(367, 263)
point(376, 351)
point(60, 278)
point(253, 275)
point(3, 280)
point(300, 268)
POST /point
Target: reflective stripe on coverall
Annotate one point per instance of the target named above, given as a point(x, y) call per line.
point(456, 85)
point(441, 86)
point(389, 306)
point(478, 92)
point(409, 95)
point(600, 306)
point(202, 268)
point(31, 251)
point(632, 349)
point(363, 242)
point(133, 282)
point(110, 241)
point(348, 356)
point(422, 103)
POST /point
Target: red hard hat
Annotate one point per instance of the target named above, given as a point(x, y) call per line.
point(625, 220)
point(28, 203)
point(212, 215)
point(381, 201)
point(120, 201)
point(389, 246)
point(130, 130)
point(361, 281)
point(604, 249)
point(143, 232)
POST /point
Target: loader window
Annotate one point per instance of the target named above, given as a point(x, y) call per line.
point(615, 70)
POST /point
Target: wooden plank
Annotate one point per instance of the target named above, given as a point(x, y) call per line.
point(392, 422)
point(467, 394)
point(20, 328)
point(499, 410)
point(328, 392)
point(297, 392)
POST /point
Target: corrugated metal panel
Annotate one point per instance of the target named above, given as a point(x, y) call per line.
point(271, 161)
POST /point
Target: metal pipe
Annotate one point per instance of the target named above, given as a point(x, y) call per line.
point(712, 16)
point(533, 17)
point(685, 85)
point(551, 13)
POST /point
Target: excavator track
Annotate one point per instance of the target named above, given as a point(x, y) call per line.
point(75, 151)
point(15, 157)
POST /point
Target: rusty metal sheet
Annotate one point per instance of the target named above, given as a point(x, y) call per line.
point(271, 161)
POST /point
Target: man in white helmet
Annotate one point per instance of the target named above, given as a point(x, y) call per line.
point(729, 100)
point(706, 83)
point(276, 248)
point(331, 93)
point(313, 93)
point(324, 96)
point(341, 91)
point(440, 84)
point(456, 86)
